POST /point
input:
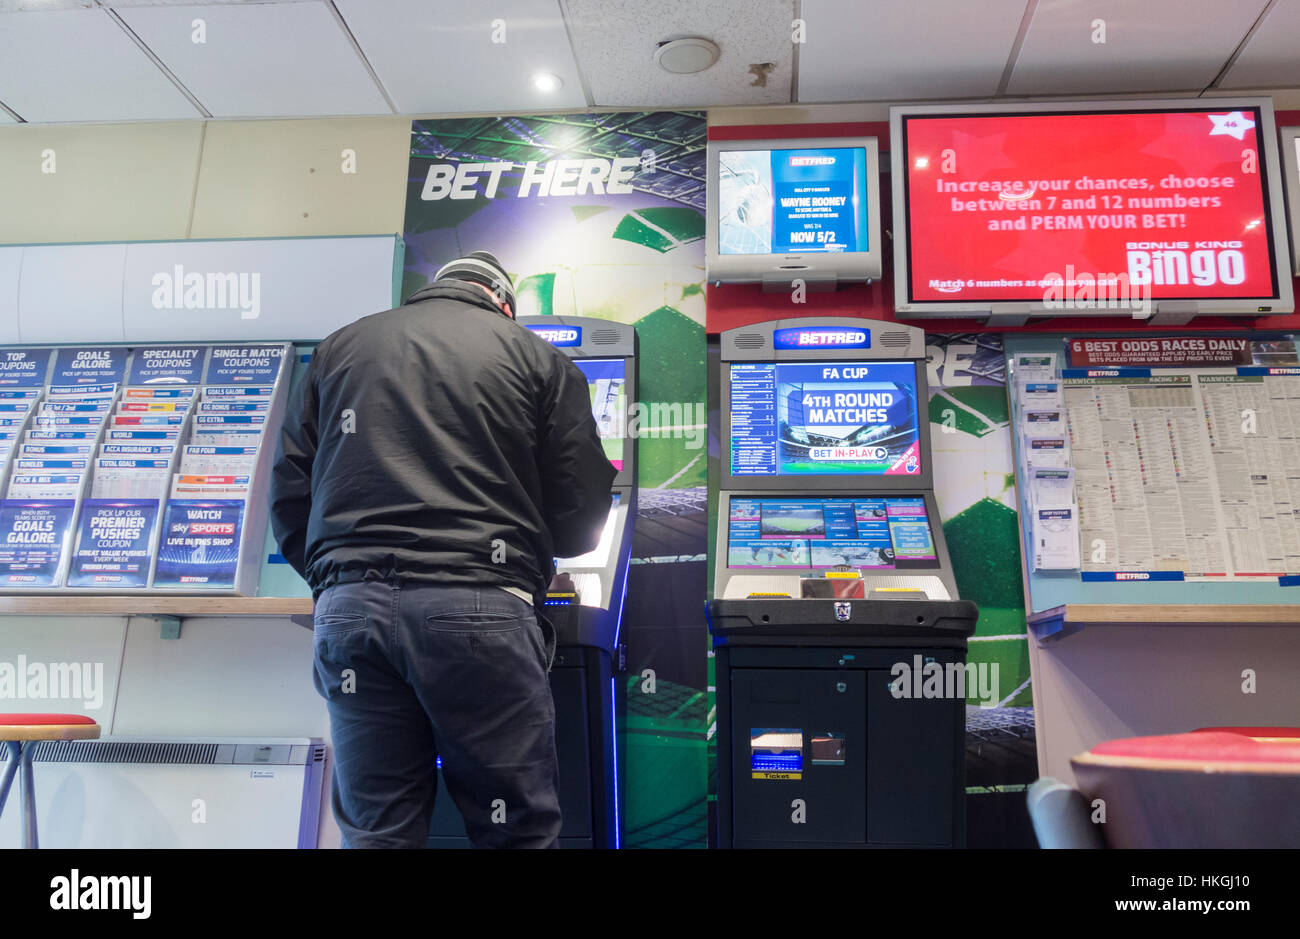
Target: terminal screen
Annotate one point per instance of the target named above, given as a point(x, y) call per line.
point(607, 385)
point(792, 201)
point(824, 419)
point(871, 534)
point(599, 555)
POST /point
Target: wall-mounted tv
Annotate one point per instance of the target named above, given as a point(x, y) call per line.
point(786, 210)
point(1159, 209)
point(1291, 172)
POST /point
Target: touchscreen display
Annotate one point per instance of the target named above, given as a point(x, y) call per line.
point(606, 383)
point(871, 534)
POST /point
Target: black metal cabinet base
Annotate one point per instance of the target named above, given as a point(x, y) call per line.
point(814, 749)
point(581, 684)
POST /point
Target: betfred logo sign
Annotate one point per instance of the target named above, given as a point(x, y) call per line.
point(796, 337)
point(559, 335)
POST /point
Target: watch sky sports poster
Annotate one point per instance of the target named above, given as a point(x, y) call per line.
point(602, 215)
point(792, 201)
point(1002, 207)
point(824, 419)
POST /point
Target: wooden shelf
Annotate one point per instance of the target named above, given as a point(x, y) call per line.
point(1062, 621)
point(170, 612)
point(154, 606)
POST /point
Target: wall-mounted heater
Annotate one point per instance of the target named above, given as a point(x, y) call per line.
point(158, 792)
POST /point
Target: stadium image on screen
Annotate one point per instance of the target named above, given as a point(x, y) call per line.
point(606, 385)
point(798, 519)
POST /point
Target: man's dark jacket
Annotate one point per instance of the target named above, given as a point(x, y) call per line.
point(438, 441)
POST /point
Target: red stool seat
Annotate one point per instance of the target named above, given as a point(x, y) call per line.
point(1260, 733)
point(47, 727)
point(1212, 788)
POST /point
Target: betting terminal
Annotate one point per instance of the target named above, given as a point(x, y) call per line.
point(585, 603)
point(832, 593)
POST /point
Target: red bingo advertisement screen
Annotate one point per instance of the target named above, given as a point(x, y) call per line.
point(999, 206)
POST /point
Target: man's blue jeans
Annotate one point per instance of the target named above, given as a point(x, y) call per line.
point(412, 671)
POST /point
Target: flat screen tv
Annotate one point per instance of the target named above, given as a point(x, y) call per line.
point(1158, 209)
point(786, 210)
point(1291, 170)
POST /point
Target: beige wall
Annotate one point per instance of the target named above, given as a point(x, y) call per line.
point(251, 179)
point(215, 179)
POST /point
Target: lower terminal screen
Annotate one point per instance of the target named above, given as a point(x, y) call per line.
point(599, 555)
point(871, 534)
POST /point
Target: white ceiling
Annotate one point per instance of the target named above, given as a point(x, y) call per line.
point(127, 60)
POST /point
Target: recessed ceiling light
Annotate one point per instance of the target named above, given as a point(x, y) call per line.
point(545, 81)
point(687, 56)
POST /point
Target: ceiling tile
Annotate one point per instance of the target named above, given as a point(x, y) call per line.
point(1270, 59)
point(1155, 45)
point(99, 73)
point(615, 42)
point(899, 50)
point(445, 60)
point(261, 59)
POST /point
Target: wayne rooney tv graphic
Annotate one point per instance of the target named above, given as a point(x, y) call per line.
point(792, 201)
point(824, 419)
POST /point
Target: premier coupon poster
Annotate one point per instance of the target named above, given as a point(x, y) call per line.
point(113, 541)
point(200, 544)
point(1000, 205)
point(788, 201)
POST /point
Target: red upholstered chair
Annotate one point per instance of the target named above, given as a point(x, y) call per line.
point(1212, 788)
point(22, 733)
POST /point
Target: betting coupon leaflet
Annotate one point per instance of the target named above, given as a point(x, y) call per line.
point(33, 533)
point(114, 537)
point(200, 544)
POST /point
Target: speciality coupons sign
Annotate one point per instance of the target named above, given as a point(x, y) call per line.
point(1164, 204)
point(1185, 351)
point(200, 544)
point(113, 541)
point(182, 365)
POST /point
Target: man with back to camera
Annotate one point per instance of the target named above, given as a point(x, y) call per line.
point(434, 461)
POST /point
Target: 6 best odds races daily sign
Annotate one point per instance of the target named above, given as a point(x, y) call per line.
point(1001, 206)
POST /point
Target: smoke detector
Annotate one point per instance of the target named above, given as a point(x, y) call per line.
point(687, 56)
